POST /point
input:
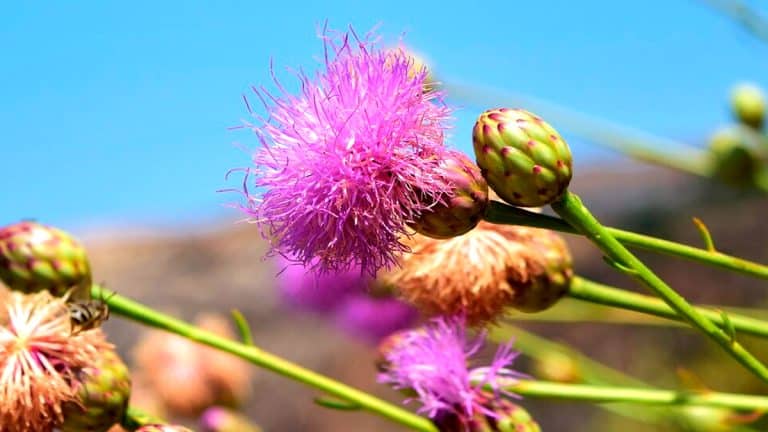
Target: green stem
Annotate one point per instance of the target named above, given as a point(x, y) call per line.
point(143, 314)
point(606, 394)
point(501, 213)
point(571, 209)
point(593, 292)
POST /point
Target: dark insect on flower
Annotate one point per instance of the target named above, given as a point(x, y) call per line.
point(87, 314)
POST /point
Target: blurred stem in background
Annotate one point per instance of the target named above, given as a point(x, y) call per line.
point(637, 395)
point(573, 211)
point(570, 365)
point(501, 213)
point(738, 11)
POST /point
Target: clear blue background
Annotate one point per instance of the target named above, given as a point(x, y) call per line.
point(117, 112)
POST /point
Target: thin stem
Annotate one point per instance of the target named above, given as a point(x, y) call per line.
point(571, 209)
point(604, 394)
point(501, 213)
point(740, 12)
point(593, 292)
point(135, 311)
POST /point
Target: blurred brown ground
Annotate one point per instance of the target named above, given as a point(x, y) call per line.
point(222, 268)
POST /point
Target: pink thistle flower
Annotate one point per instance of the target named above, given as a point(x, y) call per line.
point(351, 160)
point(434, 362)
point(40, 361)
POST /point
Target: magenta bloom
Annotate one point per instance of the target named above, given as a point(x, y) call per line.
point(372, 319)
point(300, 288)
point(350, 160)
point(434, 361)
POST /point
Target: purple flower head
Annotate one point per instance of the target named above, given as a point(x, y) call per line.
point(299, 287)
point(350, 160)
point(434, 361)
point(373, 318)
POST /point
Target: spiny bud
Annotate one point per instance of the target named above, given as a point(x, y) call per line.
point(548, 274)
point(464, 208)
point(748, 105)
point(522, 157)
point(36, 257)
point(507, 417)
point(734, 156)
point(105, 389)
point(514, 418)
point(163, 428)
point(218, 419)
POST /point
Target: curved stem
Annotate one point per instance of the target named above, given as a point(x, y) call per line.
point(145, 315)
point(570, 208)
point(603, 394)
point(501, 213)
point(593, 292)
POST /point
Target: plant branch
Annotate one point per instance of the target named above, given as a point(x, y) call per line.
point(501, 213)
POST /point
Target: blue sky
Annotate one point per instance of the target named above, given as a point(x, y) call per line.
point(117, 112)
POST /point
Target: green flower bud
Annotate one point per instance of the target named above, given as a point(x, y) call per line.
point(548, 274)
point(525, 161)
point(36, 257)
point(464, 208)
point(734, 156)
point(103, 396)
point(748, 105)
point(508, 417)
point(514, 418)
point(163, 428)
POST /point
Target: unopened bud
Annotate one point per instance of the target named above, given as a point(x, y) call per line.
point(522, 157)
point(464, 208)
point(36, 257)
point(748, 105)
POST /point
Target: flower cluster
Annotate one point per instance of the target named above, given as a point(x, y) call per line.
point(353, 159)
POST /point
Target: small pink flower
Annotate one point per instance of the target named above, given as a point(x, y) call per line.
point(350, 161)
point(434, 362)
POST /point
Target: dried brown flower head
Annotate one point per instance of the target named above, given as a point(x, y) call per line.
point(484, 271)
point(40, 361)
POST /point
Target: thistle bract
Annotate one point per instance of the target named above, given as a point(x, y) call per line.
point(463, 207)
point(36, 257)
point(105, 389)
point(525, 161)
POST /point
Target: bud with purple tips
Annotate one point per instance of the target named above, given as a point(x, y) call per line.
point(102, 398)
point(36, 257)
point(465, 205)
point(522, 157)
